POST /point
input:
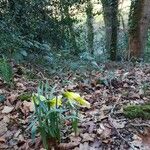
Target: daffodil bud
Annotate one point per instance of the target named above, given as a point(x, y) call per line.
point(75, 97)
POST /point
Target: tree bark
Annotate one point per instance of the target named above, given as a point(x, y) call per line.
point(110, 10)
point(139, 21)
point(90, 29)
point(71, 30)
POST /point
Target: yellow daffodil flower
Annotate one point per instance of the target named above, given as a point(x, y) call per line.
point(36, 97)
point(55, 100)
point(71, 96)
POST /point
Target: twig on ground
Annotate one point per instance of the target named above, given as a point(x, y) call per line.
point(111, 123)
point(139, 125)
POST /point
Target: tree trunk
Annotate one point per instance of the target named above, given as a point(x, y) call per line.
point(139, 21)
point(110, 10)
point(144, 24)
point(65, 6)
point(90, 32)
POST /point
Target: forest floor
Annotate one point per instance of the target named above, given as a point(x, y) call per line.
point(102, 127)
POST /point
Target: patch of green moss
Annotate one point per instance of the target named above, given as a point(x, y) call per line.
point(137, 111)
point(25, 97)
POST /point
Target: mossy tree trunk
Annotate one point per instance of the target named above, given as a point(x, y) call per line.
point(70, 26)
point(90, 29)
point(139, 21)
point(110, 11)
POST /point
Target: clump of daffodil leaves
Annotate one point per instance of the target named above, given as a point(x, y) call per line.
point(51, 113)
point(72, 97)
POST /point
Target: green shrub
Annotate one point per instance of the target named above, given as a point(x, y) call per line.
point(6, 71)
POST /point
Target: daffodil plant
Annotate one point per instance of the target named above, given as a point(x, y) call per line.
point(52, 110)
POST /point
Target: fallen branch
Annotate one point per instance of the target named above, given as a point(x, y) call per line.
point(140, 125)
point(111, 123)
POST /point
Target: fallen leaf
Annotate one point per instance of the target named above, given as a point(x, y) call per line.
point(68, 146)
point(21, 86)
point(102, 126)
point(135, 96)
point(125, 75)
point(84, 146)
point(137, 142)
point(17, 133)
point(2, 140)
point(87, 137)
point(28, 106)
point(118, 124)
point(145, 139)
point(6, 119)
point(98, 92)
point(99, 131)
point(3, 127)
point(104, 132)
point(12, 97)
point(7, 109)
point(3, 146)
point(75, 139)
point(91, 126)
point(125, 85)
point(141, 92)
point(96, 145)
point(21, 138)
point(1, 92)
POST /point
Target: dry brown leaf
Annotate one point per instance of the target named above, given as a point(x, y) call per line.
point(21, 86)
point(2, 140)
point(28, 106)
point(17, 133)
point(6, 119)
point(84, 146)
point(90, 125)
point(76, 148)
point(137, 142)
point(96, 145)
point(88, 96)
point(145, 138)
point(3, 147)
point(98, 92)
point(118, 124)
point(25, 146)
point(7, 109)
point(1, 92)
point(135, 96)
point(125, 85)
point(3, 127)
point(141, 92)
point(12, 97)
point(125, 75)
point(71, 86)
point(87, 137)
point(21, 138)
point(92, 112)
point(75, 139)
point(103, 131)
point(68, 146)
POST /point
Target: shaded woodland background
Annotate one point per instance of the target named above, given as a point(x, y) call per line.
point(75, 64)
point(49, 33)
